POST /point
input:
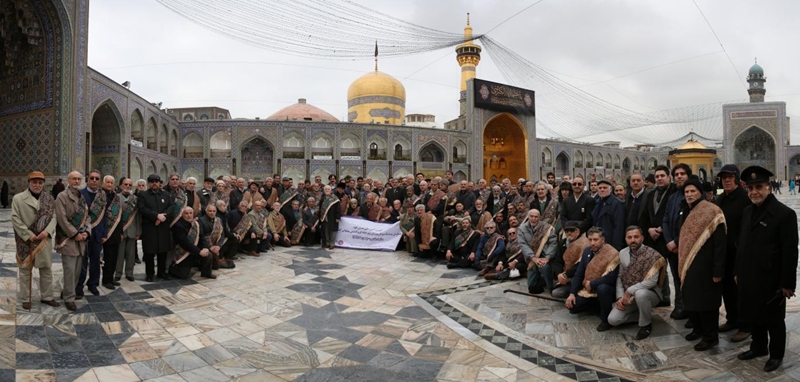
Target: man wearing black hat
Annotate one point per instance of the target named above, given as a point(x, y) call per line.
point(732, 201)
point(205, 193)
point(609, 214)
point(565, 264)
point(671, 229)
point(766, 263)
point(154, 207)
point(650, 182)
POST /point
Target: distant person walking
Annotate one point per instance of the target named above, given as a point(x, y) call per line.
point(791, 187)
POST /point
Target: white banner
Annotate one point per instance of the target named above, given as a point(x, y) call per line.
point(364, 234)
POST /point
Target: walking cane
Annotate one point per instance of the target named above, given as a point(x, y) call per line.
point(30, 287)
point(541, 296)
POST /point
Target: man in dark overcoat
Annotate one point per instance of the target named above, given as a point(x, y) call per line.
point(766, 263)
point(655, 205)
point(609, 214)
point(155, 206)
point(579, 206)
point(732, 201)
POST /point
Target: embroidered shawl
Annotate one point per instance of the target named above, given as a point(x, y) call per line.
point(513, 250)
point(327, 203)
point(462, 237)
point(178, 253)
point(454, 219)
point(485, 218)
point(113, 215)
point(273, 195)
point(251, 197)
point(603, 262)
point(98, 209)
point(703, 219)
point(180, 202)
point(573, 253)
point(129, 211)
point(216, 196)
point(278, 221)
point(435, 199)
point(498, 207)
point(491, 244)
point(28, 250)
point(484, 195)
point(386, 212)
point(345, 204)
point(539, 240)
point(287, 197)
point(244, 225)
point(216, 238)
point(410, 201)
point(426, 225)
point(550, 214)
point(407, 220)
point(297, 231)
point(374, 212)
point(643, 265)
point(77, 219)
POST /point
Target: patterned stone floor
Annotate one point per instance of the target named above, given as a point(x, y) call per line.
point(314, 315)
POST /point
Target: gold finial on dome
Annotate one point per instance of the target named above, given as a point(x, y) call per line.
point(468, 32)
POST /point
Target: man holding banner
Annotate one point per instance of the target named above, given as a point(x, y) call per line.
point(33, 218)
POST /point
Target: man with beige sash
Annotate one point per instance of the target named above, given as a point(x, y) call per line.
point(539, 245)
point(72, 231)
point(594, 284)
point(34, 221)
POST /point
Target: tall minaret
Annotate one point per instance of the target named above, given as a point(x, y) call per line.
point(468, 56)
point(756, 79)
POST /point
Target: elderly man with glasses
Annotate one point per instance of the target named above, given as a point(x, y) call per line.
point(493, 245)
point(155, 206)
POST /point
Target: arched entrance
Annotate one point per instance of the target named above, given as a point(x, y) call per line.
point(136, 170)
point(505, 149)
point(257, 156)
point(754, 147)
point(106, 151)
point(562, 165)
point(626, 167)
point(794, 167)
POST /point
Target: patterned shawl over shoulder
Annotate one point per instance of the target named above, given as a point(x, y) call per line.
point(28, 250)
point(603, 262)
point(178, 253)
point(646, 263)
point(701, 223)
point(573, 254)
point(98, 209)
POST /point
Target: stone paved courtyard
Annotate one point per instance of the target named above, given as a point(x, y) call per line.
point(315, 315)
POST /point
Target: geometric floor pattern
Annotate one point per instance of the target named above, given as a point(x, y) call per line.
point(309, 314)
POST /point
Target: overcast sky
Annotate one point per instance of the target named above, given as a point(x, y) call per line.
point(171, 60)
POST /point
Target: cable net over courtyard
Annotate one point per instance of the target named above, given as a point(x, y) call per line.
point(342, 29)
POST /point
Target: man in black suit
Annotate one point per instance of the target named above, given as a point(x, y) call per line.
point(237, 193)
point(634, 201)
point(155, 206)
point(655, 204)
point(579, 206)
point(311, 221)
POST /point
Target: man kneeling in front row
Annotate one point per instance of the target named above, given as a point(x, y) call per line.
point(641, 273)
point(190, 248)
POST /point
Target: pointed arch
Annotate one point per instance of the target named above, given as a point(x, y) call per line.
point(219, 172)
point(137, 170)
point(432, 152)
point(652, 163)
point(599, 160)
point(164, 172)
point(562, 164)
point(353, 173)
point(377, 147)
point(617, 162)
point(322, 146)
point(401, 148)
point(589, 159)
point(401, 172)
point(106, 136)
point(193, 172)
point(151, 168)
point(293, 145)
point(163, 139)
point(547, 157)
point(755, 147)
point(296, 174)
point(150, 135)
point(137, 126)
point(193, 145)
point(173, 143)
point(460, 152)
point(220, 144)
point(257, 157)
point(321, 172)
point(608, 161)
point(578, 159)
point(459, 176)
point(377, 174)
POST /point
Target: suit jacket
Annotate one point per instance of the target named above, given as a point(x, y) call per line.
point(577, 281)
point(135, 229)
point(67, 203)
point(653, 217)
point(180, 235)
point(23, 213)
point(609, 214)
point(579, 210)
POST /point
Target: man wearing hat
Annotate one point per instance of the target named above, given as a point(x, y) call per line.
point(609, 214)
point(766, 260)
point(650, 182)
point(566, 261)
point(206, 192)
point(34, 221)
point(154, 207)
point(732, 202)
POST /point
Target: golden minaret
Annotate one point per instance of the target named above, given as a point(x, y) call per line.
point(468, 55)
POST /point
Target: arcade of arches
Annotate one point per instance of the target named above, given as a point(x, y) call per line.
point(505, 153)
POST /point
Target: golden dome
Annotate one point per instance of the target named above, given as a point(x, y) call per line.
point(376, 84)
point(302, 111)
point(692, 144)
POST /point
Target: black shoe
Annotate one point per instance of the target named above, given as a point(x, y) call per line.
point(209, 276)
point(773, 364)
point(138, 261)
point(750, 355)
point(603, 326)
point(94, 291)
point(703, 345)
point(78, 295)
point(535, 290)
point(693, 336)
point(452, 265)
point(678, 314)
point(644, 332)
point(149, 279)
point(165, 276)
point(116, 283)
point(129, 278)
point(727, 327)
point(663, 304)
point(689, 324)
point(109, 286)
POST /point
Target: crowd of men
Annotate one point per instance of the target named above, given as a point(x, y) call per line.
point(595, 244)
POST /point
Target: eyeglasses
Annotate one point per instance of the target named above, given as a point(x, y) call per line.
point(489, 227)
point(94, 178)
point(577, 184)
point(512, 233)
point(757, 186)
point(127, 184)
